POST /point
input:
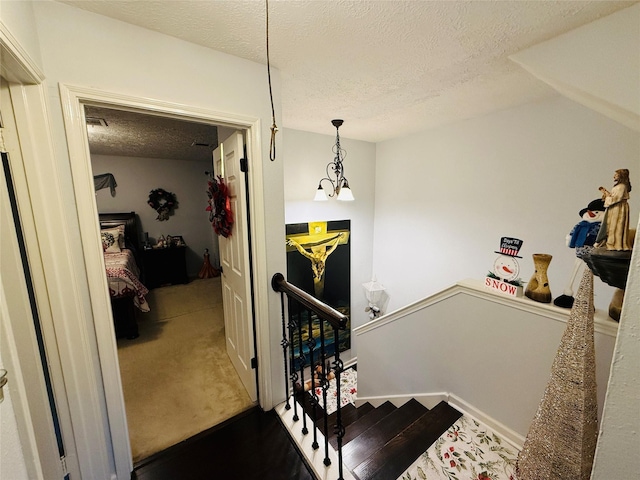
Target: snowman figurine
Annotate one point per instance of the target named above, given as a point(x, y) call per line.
point(581, 237)
point(506, 267)
point(585, 232)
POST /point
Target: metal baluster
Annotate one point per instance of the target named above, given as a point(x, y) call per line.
point(325, 385)
point(285, 347)
point(311, 343)
point(292, 358)
point(301, 364)
point(338, 367)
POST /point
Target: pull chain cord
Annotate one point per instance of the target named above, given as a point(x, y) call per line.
point(274, 127)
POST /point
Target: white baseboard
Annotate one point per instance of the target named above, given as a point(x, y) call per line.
point(314, 458)
point(351, 362)
point(511, 436)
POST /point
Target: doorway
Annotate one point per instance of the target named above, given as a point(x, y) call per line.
point(74, 99)
point(177, 377)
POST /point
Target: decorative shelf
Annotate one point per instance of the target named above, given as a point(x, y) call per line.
point(612, 267)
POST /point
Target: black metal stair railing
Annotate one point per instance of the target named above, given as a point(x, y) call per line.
point(297, 317)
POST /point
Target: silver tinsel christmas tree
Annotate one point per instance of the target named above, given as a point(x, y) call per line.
point(562, 438)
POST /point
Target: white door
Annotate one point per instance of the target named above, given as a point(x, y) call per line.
point(234, 259)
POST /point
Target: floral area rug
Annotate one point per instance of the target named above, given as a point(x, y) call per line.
point(348, 391)
point(467, 451)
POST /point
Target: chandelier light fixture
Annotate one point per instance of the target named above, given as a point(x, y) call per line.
point(339, 184)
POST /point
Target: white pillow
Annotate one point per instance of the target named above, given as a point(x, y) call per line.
point(112, 239)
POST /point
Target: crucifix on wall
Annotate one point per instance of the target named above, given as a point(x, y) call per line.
point(319, 262)
point(316, 246)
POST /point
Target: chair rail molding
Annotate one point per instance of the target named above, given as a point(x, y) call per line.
point(602, 323)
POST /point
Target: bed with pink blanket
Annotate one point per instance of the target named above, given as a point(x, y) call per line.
point(123, 276)
point(120, 247)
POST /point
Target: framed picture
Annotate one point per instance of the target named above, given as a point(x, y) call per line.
point(175, 241)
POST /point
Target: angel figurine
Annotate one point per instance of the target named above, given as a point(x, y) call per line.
point(614, 232)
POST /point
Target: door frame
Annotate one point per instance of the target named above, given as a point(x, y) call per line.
point(73, 99)
point(30, 401)
point(19, 335)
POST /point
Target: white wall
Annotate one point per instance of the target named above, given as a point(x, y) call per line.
point(136, 177)
point(523, 172)
point(306, 156)
point(12, 462)
point(493, 352)
point(20, 18)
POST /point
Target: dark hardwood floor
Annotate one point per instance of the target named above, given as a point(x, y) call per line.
point(252, 445)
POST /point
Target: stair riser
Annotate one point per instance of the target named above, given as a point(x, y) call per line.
point(430, 400)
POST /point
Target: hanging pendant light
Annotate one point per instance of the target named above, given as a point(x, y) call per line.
point(339, 184)
point(344, 192)
point(320, 195)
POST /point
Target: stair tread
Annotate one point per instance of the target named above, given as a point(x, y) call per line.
point(401, 451)
point(366, 421)
point(375, 437)
point(349, 416)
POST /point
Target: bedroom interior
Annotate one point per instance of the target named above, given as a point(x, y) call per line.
point(162, 324)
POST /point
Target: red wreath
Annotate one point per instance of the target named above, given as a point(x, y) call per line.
point(220, 214)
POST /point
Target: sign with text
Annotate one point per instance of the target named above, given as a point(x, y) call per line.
point(502, 287)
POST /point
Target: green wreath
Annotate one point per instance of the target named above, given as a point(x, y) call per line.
point(162, 202)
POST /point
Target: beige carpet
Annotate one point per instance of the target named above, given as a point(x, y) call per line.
point(177, 377)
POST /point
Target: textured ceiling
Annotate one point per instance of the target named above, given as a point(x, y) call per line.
point(130, 134)
point(388, 68)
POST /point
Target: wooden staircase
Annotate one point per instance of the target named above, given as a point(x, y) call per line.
point(375, 443)
point(381, 443)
